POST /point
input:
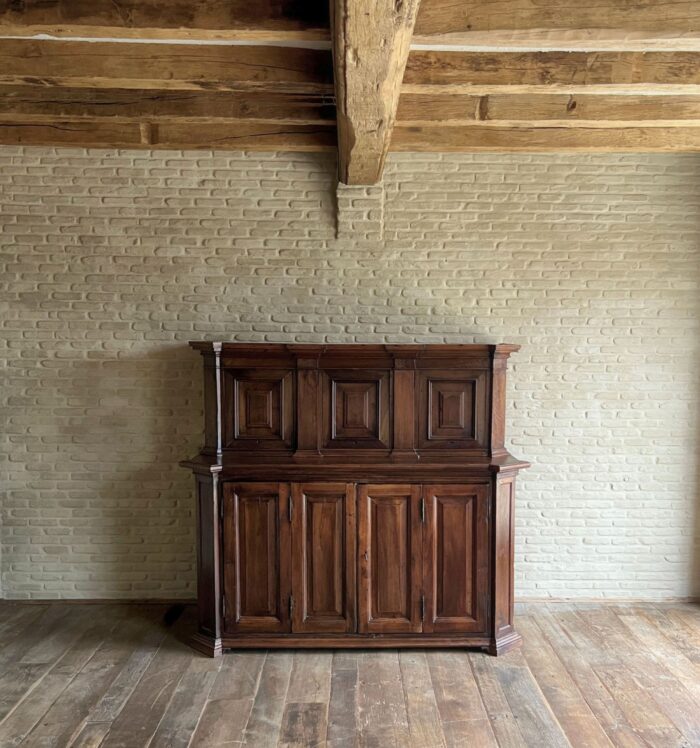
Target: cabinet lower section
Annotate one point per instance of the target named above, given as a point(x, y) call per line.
point(355, 565)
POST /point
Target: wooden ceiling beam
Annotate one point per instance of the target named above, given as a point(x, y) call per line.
point(36, 104)
point(561, 24)
point(545, 140)
point(174, 67)
point(550, 72)
point(260, 20)
point(371, 42)
point(171, 135)
point(258, 136)
point(548, 110)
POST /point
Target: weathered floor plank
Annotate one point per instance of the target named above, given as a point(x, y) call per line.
point(263, 725)
point(102, 676)
point(382, 718)
point(421, 706)
point(342, 707)
point(566, 700)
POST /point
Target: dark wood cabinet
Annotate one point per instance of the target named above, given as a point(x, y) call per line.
point(354, 496)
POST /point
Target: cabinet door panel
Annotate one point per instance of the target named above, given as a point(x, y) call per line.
point(390, 548)
point(456, 558)
point(256, 557)
point(323, 551)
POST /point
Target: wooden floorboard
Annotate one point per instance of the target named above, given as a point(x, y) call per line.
point(113, 675)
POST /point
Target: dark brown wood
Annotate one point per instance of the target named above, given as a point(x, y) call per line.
point(356, 406)
point(256, 557)
point(505, 636)
point(323, 557)
point(368, 497)
point(209, 556)
point(452, 409)
point(261, 409)
point(456, 558)
point(390, 559)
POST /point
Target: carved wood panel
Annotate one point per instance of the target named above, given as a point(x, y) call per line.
point(452, 410)
point(356, 409)
point(390, 548)
point(257, 558)
point(258, 409)
point(323, 557)
point(456, 558)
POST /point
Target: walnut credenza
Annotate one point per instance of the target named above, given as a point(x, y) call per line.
point(354, 496)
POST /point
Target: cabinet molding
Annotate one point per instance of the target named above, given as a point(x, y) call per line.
point(355, 495)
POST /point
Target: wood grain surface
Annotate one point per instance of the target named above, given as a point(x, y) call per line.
point(122, 675)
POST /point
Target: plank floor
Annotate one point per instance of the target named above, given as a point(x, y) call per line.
point(121, 676)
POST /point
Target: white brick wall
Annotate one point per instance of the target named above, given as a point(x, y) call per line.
point(113, 261)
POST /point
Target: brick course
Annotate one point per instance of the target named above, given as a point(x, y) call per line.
point(113, 260)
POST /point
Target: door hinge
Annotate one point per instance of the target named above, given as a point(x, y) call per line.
point(422, 607)
point(223, 604)
point(290, 508)
point(422, 511)
point(221, 508)
point(291, 606)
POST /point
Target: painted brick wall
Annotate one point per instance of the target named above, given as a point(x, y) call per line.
point(112, 261)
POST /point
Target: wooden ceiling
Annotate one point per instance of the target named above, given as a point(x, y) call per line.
point(406, 75)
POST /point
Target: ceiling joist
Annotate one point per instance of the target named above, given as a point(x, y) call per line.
point(561, 24)
point(171, 67)
point(213, 20)
point(172, 135)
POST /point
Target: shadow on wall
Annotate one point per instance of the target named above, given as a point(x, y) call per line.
point(106, 512)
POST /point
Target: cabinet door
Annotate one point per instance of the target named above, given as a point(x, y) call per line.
point(256, 557)
point(456, 558)
point(323, 557)
point(390, 548)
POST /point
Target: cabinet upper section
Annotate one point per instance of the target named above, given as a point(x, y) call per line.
point(284, 403)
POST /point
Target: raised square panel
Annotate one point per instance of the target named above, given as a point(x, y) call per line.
point(452, 410)
point(258, 410)
point(356, 409)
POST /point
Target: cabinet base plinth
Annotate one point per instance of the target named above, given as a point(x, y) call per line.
point(352, 641)
point(500, 646)
point(207, 645)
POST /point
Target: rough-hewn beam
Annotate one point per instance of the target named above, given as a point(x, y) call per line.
point(37, 104)
point(548, 110)
point(165, 66)
point(561, 24)
point(171, 135)
point(556, 24)
point(167, 19)
point(371, 41)
point(259, 136)
point(541, 140)
point(550, 72)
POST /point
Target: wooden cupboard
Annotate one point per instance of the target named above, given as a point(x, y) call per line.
point(354, 496)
